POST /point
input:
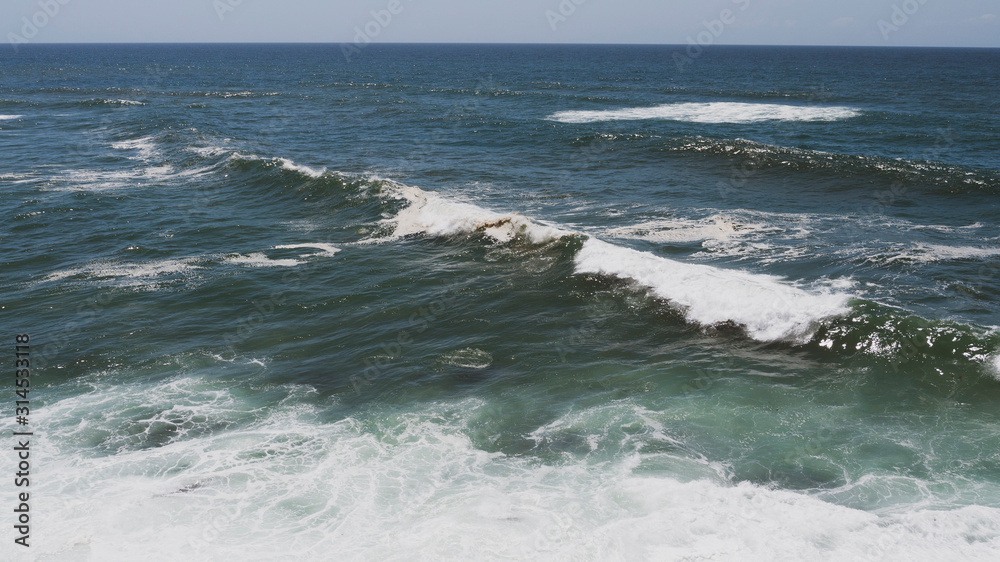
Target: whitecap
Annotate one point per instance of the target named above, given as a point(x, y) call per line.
point(468, 358)
point(712, 112)
point(431, 214)
point(258, 259)
point(767, 307)
point(327, 250)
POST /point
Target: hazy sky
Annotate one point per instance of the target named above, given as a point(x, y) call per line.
point(778, 22)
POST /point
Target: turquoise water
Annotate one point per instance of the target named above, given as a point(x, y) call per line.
point(506, 302)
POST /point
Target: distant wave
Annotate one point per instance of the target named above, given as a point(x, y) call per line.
point(758, 155)
point(713, 112)
point(102, 101)
point(10, 117)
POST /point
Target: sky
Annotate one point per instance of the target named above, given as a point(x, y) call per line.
point(939, 23)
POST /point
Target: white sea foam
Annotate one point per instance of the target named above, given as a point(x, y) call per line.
point(768, 308)
point(17, 178)
point(285, 163)
point(929, 253)
point(324, 249)
point(140, 271)
point(108, 180)
point(723, 235)
point(258, 259)
point(201, 473)
point(304, 170)
point(208, 151)
point(468, 358)
point(713, 112)
point(122, 102)
point(434, 215)
point(149, 274)
point(10, 117)
point(144, 147)
point(996, 366)
point(935, 252)
point(718, 228)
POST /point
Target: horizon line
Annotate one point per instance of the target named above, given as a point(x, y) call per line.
point(497, 43)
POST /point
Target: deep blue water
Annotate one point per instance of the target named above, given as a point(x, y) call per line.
point(506, 302)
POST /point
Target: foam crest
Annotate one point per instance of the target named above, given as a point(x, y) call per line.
point(144, 147)
point(327, 250)
point(713, 112)
point(304, 170)
point(283, 163)
point(765, 306)
point(10, 117)
point(258, 259)
point(429, 213)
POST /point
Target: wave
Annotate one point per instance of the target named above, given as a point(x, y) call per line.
point(283, 163)
point(712, 112)
point(767, 308)
point(823, 315)
point(10, 117)
point(752, 155)
point(434, 215)
point(894, 335)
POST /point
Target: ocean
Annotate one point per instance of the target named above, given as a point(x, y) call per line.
point(502, 302)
